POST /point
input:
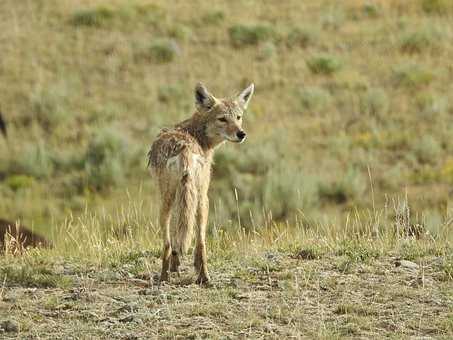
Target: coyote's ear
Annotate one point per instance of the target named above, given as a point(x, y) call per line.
point(244, 98)
point(203, 99)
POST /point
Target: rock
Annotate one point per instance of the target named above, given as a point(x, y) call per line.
point(305, 254)
point(406, 264)
point(126, 309)
point(130, 337)
point(128, 318)
point(9, 326)
point(110, 275)
point(147, 291)
point(241, 297)
point(139, 282)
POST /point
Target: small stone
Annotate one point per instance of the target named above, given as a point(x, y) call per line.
point(241, 297)
point(305, 254)
point(139, 282)
point(406, 264)
point(127, 308)
point(128, 318)
point(146, 292)
point(130, 337)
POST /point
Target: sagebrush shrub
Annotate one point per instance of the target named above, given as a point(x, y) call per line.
point(243, 35)
point(324, 64)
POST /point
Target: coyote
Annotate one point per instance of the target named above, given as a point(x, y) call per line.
point(181, 158)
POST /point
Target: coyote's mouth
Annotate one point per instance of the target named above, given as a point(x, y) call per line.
point(234, 140)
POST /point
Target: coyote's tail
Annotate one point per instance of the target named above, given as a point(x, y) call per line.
point(186, 204)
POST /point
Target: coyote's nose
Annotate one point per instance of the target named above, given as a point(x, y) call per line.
point(241, 134)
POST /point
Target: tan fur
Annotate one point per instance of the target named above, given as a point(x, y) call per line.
point(180, 158)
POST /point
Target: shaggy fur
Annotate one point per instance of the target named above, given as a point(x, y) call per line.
point(180, 158)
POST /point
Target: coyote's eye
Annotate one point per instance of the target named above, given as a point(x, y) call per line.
point(238, 117)
point(223, 120)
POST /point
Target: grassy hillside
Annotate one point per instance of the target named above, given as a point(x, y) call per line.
point(347, 95)
point(347, 171)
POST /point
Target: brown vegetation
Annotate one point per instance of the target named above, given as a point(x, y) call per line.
point(15, 237)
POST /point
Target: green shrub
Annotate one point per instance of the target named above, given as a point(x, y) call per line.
point(412, 250)
point(412, 75)
point(106, 160)
point(431, 104)
point(447, 268)
point(324, 64)
point(16, 182)
point(299, 37)
point(427, 149)
point(333, 18)
point(94, 17)
point(35, 275)
point(441, 7)
point(286, 190)
point(263, 187)
point(214, 17)
point(34, 161)
point(372, 10)
point(49, 106)
point(267, 51)
point(356, 251)
point(419, 41)
point(179, 32)
point(374, 102)
point(105, 16)
point(344, 189)
point(392, 179)
point(314, 98)
point(169, 93)
point(242, 35)
point(163, 50)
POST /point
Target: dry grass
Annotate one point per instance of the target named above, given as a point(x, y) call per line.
point(342, 280)
point(355, 278)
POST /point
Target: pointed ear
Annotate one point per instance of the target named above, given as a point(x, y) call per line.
point(203, 99)
point(244, 98)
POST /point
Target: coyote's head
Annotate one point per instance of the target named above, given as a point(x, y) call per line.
point(223, 117)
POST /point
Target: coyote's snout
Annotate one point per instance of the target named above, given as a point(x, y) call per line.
point(180, 159)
